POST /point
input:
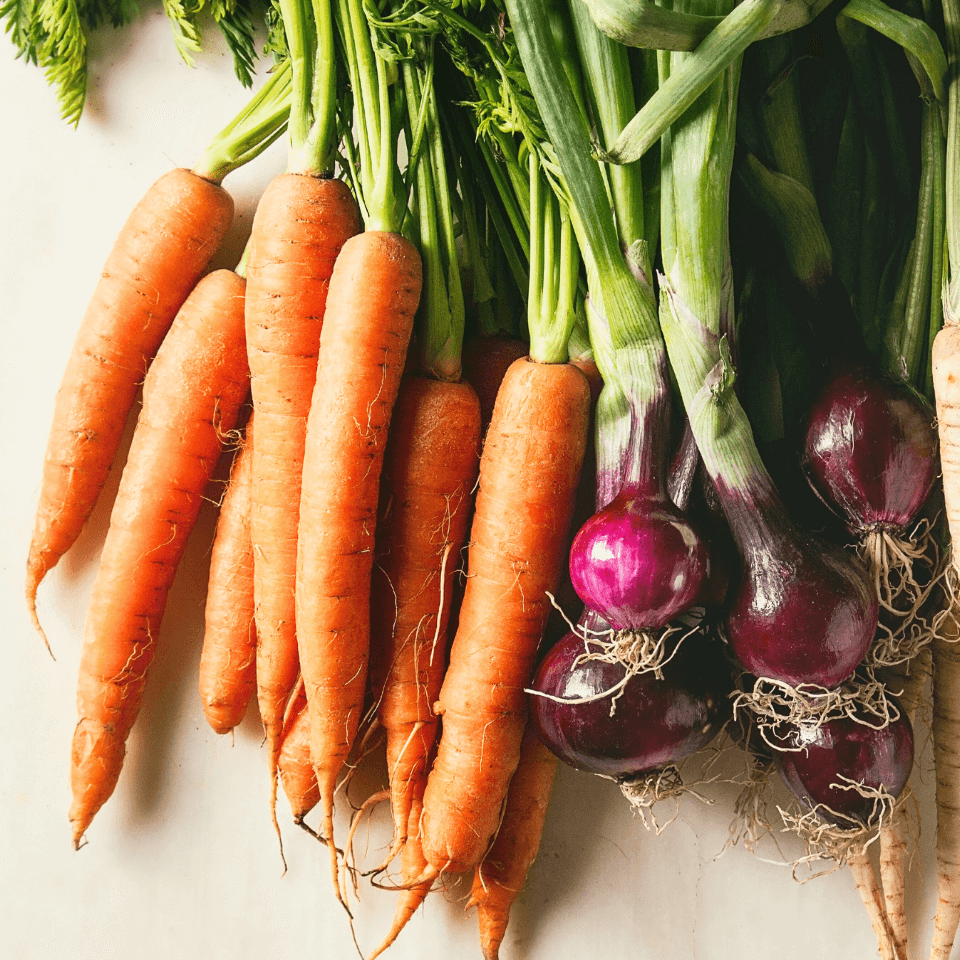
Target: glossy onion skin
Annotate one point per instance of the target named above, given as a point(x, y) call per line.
point(870, 449)
point(639, 562)
point(844, 747)
point(804, 613)
point(655, 721)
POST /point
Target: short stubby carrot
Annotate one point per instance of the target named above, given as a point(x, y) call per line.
point(300, 225)
point(191, 399)
point(228, 660)
point(529, 473)
point(161, 252)
point(429, 473)
point(374, 294)
point(500, 876)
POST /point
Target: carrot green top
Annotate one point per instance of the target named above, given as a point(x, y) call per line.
point(308, 25)
point(252, 130)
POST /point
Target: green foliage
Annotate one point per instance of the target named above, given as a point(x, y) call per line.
point(53, 35)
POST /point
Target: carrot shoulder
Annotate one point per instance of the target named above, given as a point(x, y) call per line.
point(227, 675)
point(161, 252)
point(374, 293)
point(528, 477)
point(299, 227)
point(191, 397)
point(500, 876)
point(429, 474)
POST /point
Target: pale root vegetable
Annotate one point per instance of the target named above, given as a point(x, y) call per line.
point(228, 659)
point(894, 834)
point(374, 292)
point(429, 474)
point(529, 472)
point(946, 656)
point(160, 254)
point(300, 225)
point(865, 880)
point(500, 876)
point(191, 399)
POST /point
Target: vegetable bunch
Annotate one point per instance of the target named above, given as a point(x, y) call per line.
point(525, 325)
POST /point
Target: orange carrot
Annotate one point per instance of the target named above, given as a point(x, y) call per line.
point(299, 227)
point(161, 252)
point(296, 771)
point(528, 477)
point(191, 398)
point(501, 874)
point(429, 474)
point(412, 866)
point(227, 676)
point(374, 293)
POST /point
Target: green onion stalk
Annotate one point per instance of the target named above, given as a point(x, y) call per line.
point(874, 396)
point(779, 635)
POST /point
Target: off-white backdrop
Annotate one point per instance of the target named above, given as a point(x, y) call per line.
point(183, 860)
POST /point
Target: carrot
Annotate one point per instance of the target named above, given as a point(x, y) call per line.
point(501, 874)
point(191, 398)
point(374, 292)
point(296, 771)
point(429, 474)
point(161, 252)
point(227, 676)
point(528, 477)
point(412, 866)
point(299, 227)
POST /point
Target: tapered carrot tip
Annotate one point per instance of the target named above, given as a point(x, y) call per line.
point(97, 760)
point(35, 572)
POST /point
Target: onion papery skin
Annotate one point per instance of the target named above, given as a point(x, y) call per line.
point(654, 722)
point(845, 748)
point(804, 611)
point(639, 562)
point(870, 449)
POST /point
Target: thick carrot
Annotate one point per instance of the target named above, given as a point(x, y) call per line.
point(528, 478)
point(374, 293)
point(161, 252)
point(227, 676)
point(296, 771)
point(191, 398)
point(501, 874)
point(429, 473)
point(300, 225)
